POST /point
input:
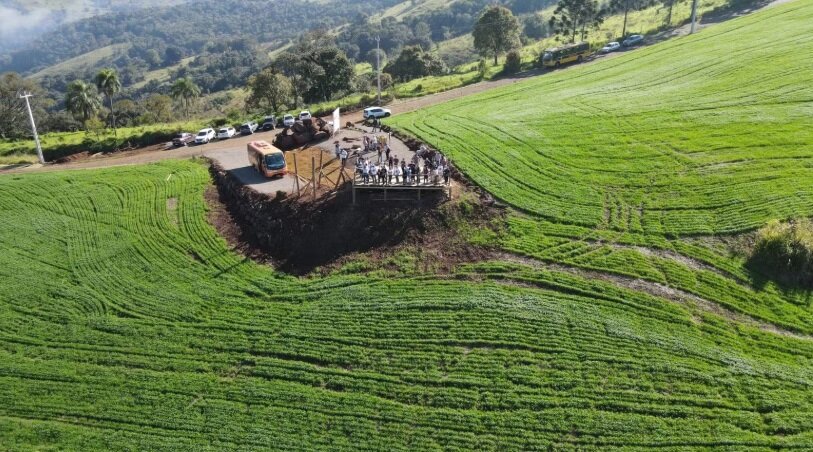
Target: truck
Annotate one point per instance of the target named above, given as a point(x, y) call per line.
point(266, 159)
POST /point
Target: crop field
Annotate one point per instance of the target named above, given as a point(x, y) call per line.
point(127, 323)
point(704, 134)
point(609, 314)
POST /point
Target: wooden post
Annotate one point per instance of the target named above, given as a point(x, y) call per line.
point(313, 176)
point(321, 154)
point(296, 174)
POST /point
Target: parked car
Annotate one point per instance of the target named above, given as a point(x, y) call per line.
point(248, 128)
point(376, 112)
point(610, 47)
point(183, 139)
point(303, 115)
point(205, 136)
point(225, 133)
point(633, 40)
point(269, 123)
point(288, 120)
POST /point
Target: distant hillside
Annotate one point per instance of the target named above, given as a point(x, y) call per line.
point(187, 26)
point(21, 21)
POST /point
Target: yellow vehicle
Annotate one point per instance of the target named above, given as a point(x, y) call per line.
point(266, 159)
point(566, 54)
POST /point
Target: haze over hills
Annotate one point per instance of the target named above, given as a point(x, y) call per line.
point(24, 21)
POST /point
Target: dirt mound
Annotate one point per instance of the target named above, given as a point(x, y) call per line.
point(299, 237)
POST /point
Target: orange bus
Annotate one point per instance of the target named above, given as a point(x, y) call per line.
point(266, 159)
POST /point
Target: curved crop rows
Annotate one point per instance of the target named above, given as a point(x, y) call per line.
point(704, 134)
point(126, 323)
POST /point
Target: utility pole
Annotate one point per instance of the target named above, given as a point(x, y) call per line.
point(694, 15)
point(378, 65)
point(33, 125)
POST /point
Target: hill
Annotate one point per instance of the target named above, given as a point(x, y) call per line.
point(22, 21)
point(677, 138)
point(127, 322)
point(189, 27)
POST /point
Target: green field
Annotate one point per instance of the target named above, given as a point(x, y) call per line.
point(127, 323)
point(611, 314)
point(704, 134)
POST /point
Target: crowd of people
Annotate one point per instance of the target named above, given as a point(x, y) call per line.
point(425, 168)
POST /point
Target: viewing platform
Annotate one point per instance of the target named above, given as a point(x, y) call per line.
point(401, 191)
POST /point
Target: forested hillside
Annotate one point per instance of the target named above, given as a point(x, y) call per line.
point(187, 28)
point(22, 20)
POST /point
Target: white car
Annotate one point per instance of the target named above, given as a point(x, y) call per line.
point(610, 47)
point(205, 136)
point(376, 112)
point(303, 115)
point(225, 133)
point(288, 120)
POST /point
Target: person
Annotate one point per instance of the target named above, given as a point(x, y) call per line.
point(380, 153)
point(426, 171)
point(387, 151)
point(390, 173)
point(397, 172)
point(447, 172)
point(438, 174)
point(382, 175)
point(373, 172)
point(337, 149)
point(343, 156)
point(365, 173)
point(403, 172)
point(408, 175)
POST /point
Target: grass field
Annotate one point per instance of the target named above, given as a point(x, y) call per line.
point(59, 144)
point(610, 315)
point(127, 323)
point(83, 61)
point(703, 134)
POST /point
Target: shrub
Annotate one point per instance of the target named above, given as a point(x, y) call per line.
point(784, 251)
point(513, 62)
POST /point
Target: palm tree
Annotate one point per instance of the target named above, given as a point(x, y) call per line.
point(186, 89)
point(107, 81)
point(82, 100)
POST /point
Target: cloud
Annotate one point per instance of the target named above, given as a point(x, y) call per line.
point(17, 26)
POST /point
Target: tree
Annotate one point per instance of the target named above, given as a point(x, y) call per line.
point(513, 62)
point(82, 100)
point(670, 5)
point(318, 69)
point(572, 16)
point(108, 83)
point(534, 26)
point(413, 62)
point(186, 90)
point(172, 56)
point(13, 114)
point(269, 89)
point(370, 57)
point(626, 6)
point(496, 31)
point(158, 108)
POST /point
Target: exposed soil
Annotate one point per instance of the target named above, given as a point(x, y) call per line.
point(300, 236)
